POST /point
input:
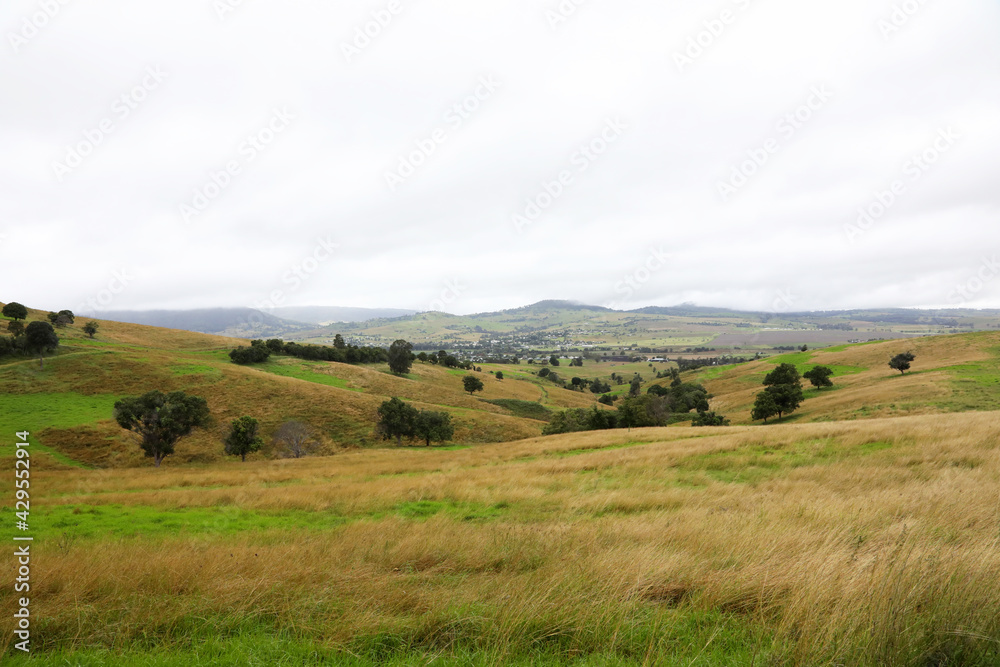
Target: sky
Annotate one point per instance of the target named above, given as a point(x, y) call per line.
point(772, 155)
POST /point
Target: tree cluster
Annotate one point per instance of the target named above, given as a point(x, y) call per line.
point(659, 406)
point(256, 353)
point(783, 393)
point(397, 419)
point(349, 354)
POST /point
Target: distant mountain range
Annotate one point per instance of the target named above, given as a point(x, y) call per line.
point(303, 320)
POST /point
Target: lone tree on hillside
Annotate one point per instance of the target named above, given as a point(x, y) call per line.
point(635, 386)
point(15, 311)
point(39, 338)
point(901, 362)
point(554, 360)
point(296, 440)
point(499, 375)
point(400, 357)
point(161, 419)
point(819, 376)
point(338, 342)
point(787, 397)
point(764, 407)
point(433, 426)
point(472, 384)
point(396, 419)
point(243, 437)
point(783, 393)
point(90, 328)
point(783, 374)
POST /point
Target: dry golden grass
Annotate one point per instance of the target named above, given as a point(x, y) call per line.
point(871, 542)
point(877, 391)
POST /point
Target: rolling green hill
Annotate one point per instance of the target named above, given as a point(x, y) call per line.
point(67, 405)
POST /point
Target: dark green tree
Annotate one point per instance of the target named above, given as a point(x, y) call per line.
point(635, 386)
point(15, 328)
point(629, 414)
point(161, 419)
point(430, 426)
point(338, 342)
point(819, 376)
point(472, 384)
point(91, 327)
point(243, 437)
point(15, 311)
point(400, 357)
point(499, 375)
point(396, 419)
point(254, 354)
point(787, 397)
point(67, 315)
point(783, 374)
point(607, 399)
point(544, 372)
point(764, 407)
point(901, 362)
point(554, 360)
point(600, 420)
point(39, 338)
point(709, 419)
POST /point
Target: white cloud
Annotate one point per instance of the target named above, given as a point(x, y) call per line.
point(451, 219)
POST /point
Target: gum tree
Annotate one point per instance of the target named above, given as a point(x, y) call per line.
point(901, 362)
point(243, 437)
point(161, 420)
point(39, 338)
point(15, 311)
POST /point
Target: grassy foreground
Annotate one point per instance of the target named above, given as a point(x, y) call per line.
point(873, 542)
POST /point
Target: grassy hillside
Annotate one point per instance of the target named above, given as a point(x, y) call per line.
point(67, 406)
point(951, 373)
point(863, 532)
point(864, 543)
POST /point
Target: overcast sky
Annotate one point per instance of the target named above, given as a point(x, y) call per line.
point(472, 156)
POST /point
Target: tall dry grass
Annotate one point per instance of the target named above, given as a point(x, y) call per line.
point(863, 543)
